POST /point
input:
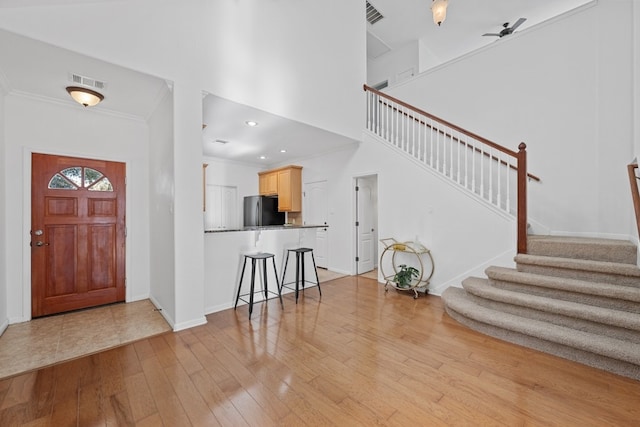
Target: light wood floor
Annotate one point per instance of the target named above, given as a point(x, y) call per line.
point(54, 339)
point(357, 356)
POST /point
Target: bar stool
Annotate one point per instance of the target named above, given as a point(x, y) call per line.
point(263, 256)
point(300, 269)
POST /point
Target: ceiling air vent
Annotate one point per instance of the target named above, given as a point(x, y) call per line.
point(221, 141)
point(373, 15)
point(87, 81)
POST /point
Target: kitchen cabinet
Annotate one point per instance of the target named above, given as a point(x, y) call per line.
point(286, 182)
point(268, 185)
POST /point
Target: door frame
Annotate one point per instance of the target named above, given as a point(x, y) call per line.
point(354, 216)
point(26, 222)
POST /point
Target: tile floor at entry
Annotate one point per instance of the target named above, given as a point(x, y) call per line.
point(53, 339)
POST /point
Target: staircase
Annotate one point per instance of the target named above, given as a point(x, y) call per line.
point(577, 298)
point(487, 171)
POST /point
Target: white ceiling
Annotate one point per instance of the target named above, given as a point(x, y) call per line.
point(225, 120)
point(38, 69)
point(467, 20)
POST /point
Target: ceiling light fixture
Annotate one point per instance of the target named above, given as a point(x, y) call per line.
point(251, 123)
point(85, 97)
point(439, 10)
point(283, 151)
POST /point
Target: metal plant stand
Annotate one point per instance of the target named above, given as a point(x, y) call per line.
point(402, 253)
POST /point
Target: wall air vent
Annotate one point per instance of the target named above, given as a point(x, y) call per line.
point(87, 81)
point(373, 15)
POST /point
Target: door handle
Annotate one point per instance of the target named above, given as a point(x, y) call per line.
point(39, 243)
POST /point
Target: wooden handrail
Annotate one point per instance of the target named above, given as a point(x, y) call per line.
point(520, 156)
point(444, 122)
point(635, 195)
point(448, 135)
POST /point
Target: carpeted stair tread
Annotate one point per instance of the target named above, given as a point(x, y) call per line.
point(595, 271)
point(628, 293)
point(578, 298)
point(619, 367)
point(610, 250)
point(456, 299)
point(482, 289)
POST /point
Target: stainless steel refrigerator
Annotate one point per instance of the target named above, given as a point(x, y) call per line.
point(261, 211)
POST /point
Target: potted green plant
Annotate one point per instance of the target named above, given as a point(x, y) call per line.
point(405, 275)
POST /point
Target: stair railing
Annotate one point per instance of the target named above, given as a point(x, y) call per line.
point(635, 194)
point(492, 172)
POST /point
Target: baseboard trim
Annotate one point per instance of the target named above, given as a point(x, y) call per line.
point(190, 324)
point(3, 326)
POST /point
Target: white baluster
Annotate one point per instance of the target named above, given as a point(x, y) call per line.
point(431, 144)
point(499, 174)
point(508, 183)
point(413, 135)
point(459, 155)
point(482, 163)
point(491, 175)
point(466, 164)
point(473, 168)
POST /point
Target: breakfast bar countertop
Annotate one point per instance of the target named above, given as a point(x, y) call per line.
point(266, 227)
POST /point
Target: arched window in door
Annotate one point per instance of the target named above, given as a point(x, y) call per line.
point(77, 177)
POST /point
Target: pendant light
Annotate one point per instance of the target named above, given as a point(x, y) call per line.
point(439, 10)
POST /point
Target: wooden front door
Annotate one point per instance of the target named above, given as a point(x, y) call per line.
point(77, 233)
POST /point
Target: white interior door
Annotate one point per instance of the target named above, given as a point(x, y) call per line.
point(221, 211)
point(366, 210)
point(316, 210)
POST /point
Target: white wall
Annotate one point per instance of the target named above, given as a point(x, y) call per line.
point(32, 125)
point(273, 55)
point(335, 169)
point(234, 174)
point(269, 55)
point(187, 222)
point(161, 189)
point(636, 78)
point(4, 318)
point(565, 89)
point(394, 66)
point(412, 202)
point(427, 59)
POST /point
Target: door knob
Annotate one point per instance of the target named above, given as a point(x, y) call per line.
point(39, 243)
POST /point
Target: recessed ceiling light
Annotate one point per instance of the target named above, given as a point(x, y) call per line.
point(262, 157)
point(283, 151)
point(251, 123)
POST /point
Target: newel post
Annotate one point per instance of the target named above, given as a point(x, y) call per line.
point(522, 198)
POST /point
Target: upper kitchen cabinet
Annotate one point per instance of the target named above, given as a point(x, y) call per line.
point(268, 183)
point(286, 183)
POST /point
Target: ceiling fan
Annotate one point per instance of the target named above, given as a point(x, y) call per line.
point(507, 29)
